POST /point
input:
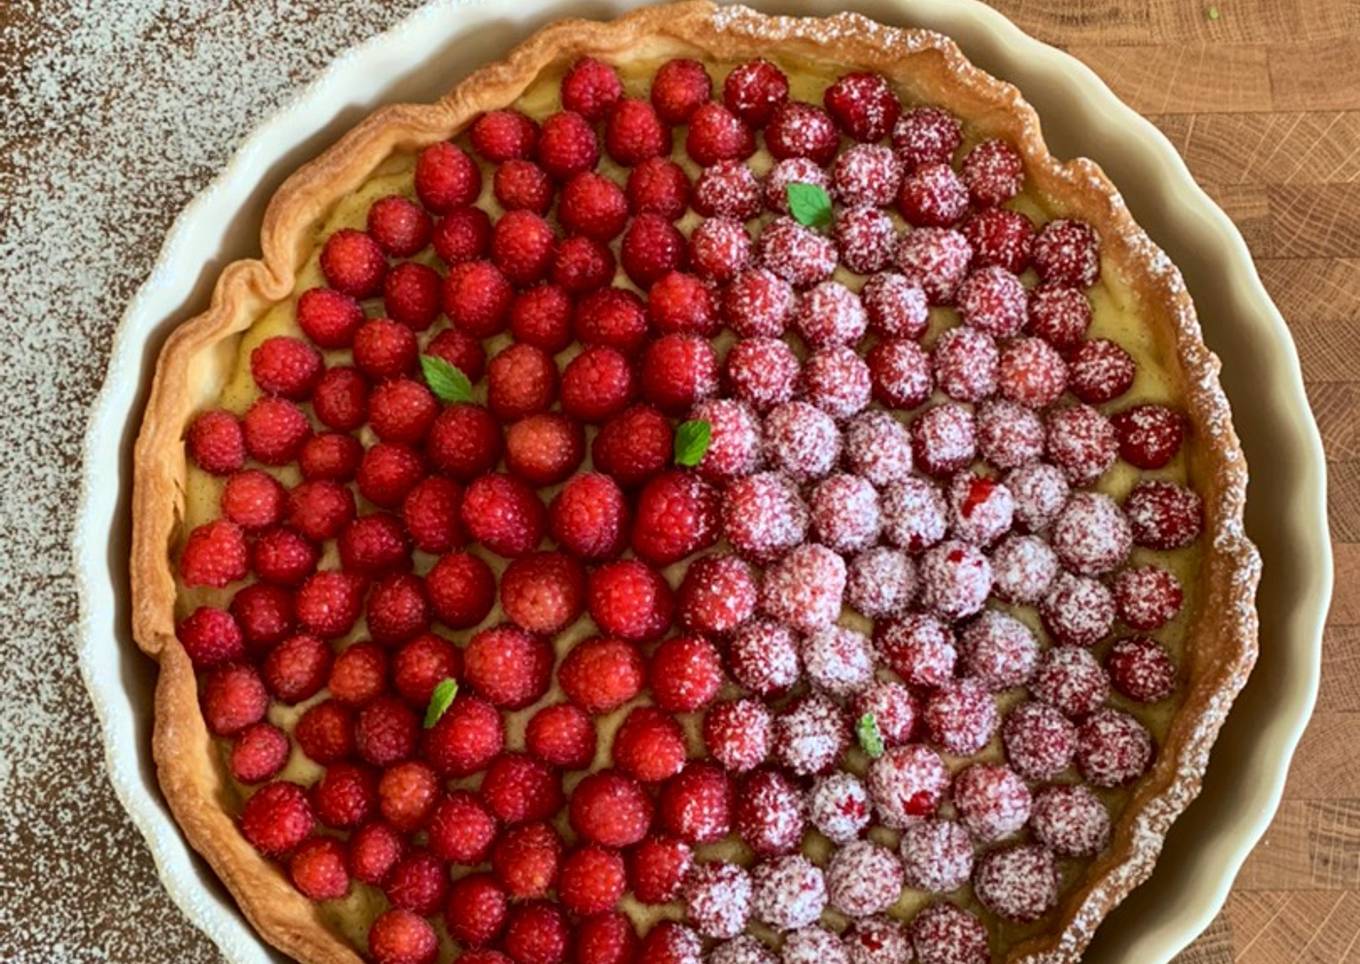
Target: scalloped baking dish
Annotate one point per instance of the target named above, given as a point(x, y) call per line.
point(427, 54)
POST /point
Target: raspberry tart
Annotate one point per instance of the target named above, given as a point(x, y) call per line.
point(711, 487)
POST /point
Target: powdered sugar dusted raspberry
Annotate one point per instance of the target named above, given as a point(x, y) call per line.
point(762, 656)
point(1008, 435)
point(880, 583)
point(742, 949)
point(878, 940)
point(893, 708)
point(837, 381)
point(1100, 371)
point(789, 892)
point(993, 300)
point(933, 195)
point(1039, 740)
point(770, 813)
point(961, 717)
point(1113, 748)
point(945, 933)
point(830, 314)
point(919, 648)
point(758, 303)
point(734, 447)
point(866, 237)
point(672, 942)
point(907, 783)
point(799, 255)
point(810, 736)
point(965, 363)
point(1001, 237)
point(1149, 435)
point(955, 580)
point(1031, 372)
point(1141, 669)
point(999, 651)
point(1070, 679)
point(845, 513)
point(980, 508)
point(926, 135)
point(814, 945)
point(1040, 491)
point(838, 807)
point(718, 898)
point(866, 174)
point(1164, 515)
point(1081, 442)
point(915, 514)
point(878, 448)
point(937, 855)
point(897, 307)
point(993, 172)
point(728, 189)
point(802, 440)
point(1147, 597)
point(737, 733)
point(1078, 611)
point(1091, 535)
point(720, 249)
point(838, 660)
point(763, 372)
point(1067, 252)
point(1023, 567)
point(900, 373)
point(863, 878)
point(936, 259)
point(1018, 883)
point(993, 802)
point(943, 439)
point(804, 589)
point(791, 170)
point(1070, 820)
point(763, 516)
point(1059, 315)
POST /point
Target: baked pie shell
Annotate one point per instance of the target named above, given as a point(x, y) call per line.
point(1221, 641)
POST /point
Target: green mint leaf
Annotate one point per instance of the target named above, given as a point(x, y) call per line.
point(691, 441)
point(870, 740)
point(809, 204)
point(1212, 13)
point(440, 700)
point(445, 380)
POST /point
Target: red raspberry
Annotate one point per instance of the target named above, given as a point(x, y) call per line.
point(461, 829)
point(1023, 567)
point(735, 443)
point(838, 806)
point(297, 668)
point(914, 514)
point(522, 247)
point(763, 657)
point(720, 249)
point(462, 235)
point(757, 303)
point(446, 178)
point(567, 144)
point(385, 731)
point(790, 893)
point(1039, 741)
point(476, 910)
point(374, 543)
point(763, 516)
point(463, 442)
point(325, 732)
point(718, 901)
point(830, 315)
point(607, 938)
point(407, 793)
point(793, 170)
point(277, 818)
point(399, 226)
point(1071, 820)
point(477, 295)
point(893, 708)
point(656, 868)
point(215, 554)
point(900, 373)
point(283, 556)
point(503, 514)
point(716, 134)
point(430, 514)
point(717, 595)
point(919, 648)
point(419, 883)
point(1147, 597)
point(981, 509)
point(500, 135)
point(421, 664)
point(374, 850)
point(1081, 442)
point(1009, 435)
point(353, 263)
point(411, 295)
point(1091, 535)
point(676, 515)
point(1149, 435)
point(906, 783)
point(633, 133)
point(216, 442)
point(610, 809)
point(754, 89)
point(332, 456)
point(630, 600)
point(802, 440)
point(466, 738)
point(232, 698)
point(398, 608)
point(536, 933)
point(590, 88)
point(1077, 611)
point(561, 735)
point(678, 370)
point(932, 196)
point(943, 438)
point(1101, 371)
point(762, 372)
point(1031, 373)
point(543, 592)
point(880, 582)
point(863, 878)
point(944, 933)
point(796, 129)
point(797, 254)
point(685, 674)
point(592, 205)
point(582, 264)
point(679, 87)
point(258, 753)
point(384, 349)
point(285, 366)
point(866, 174)
point(589, 517)
point(769, 813)
point(845, 514)
point(1141, 669)
point(1000, 237)
point(680, 302)
point(544, 449)
point(601, 674)
point(863, 105)
point(320, 510)
point(359, 674)
point(809, 736)
point(1070, 679)
point(274, 431)
point(519, 789)
point(521, 186)
point(1067, 253)
point(866, 237)
point(878, 448)
point(1113, 748)
point(541, 317)
point(509, 667)
point(838, 660)
point(401, 937)
point(521, 381)
point(993, 802)
point(936, 259)
point(597, 384)
point(649, 746)
point(613, 317)
point(1040, 490)
point(696, 804)
point(345, 796)
point(328, 317)
point(994, 173)
point(994, 301)
point(961, 717)
point(728, 189)
point(737, 734)
point(650, 248)
point(591, 881)
point(253, 499)
point(658, 186)
point(211, 636)
point(1059, 315)
point(341, 399)
point(462, 590)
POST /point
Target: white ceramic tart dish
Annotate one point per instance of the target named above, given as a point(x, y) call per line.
point(201, 357)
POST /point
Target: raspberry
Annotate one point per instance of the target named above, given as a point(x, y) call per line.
point(788, 892)
point(678, 370)
point(716, 134)
point(583, 264)
point(685, 674)
point(717, 595)
point(737, 734)
point(993, 802)
point(937, 855)
point(385, 731)
point(863, 878)
point(1070, 679)
point(1070, 820)
point(420, 665)
point(670, 943)
point(696, 804)
point(797, 254)
point(503, 514)
point(519, 789)
point(743, 949)
point(325, 732)
point(804, 589)
point(812, 945)
point(407, 792)
point(373, 543)
point(763, 658)
point(763, 516)
point(980, 508)
point(753, 90)
point(353, 264)
point(649, 745)
point(522, 247)
point(1091, 535)
point(651, 247)
point(1164, 515)
point(1031, 373)
point(590, 88)
point(430, 512)
point(810, 735)
point(677, 514)
point(345, 796)
point(320, 510)
point(866, 174)
point(418, 883)
point(943, 438)
point(728, 189)
point(597, 384)
point(838, 807)
point(1141, 669)
point(562, 736)
point(1023, 567)
point(328, 317)
point(398, 608)
point(274, 431)
point(1067, 253)
point(630, 600)
point(845, 513)
point(331, 456)
point(658, 186)
point(446, 178)
point(284, 366)
point(656, 868)
point(264, 613)
point(880, 583)
point(633, 133)
point(402, 410)
point(215, 554)
point(1100, 371)
point(588, 517)
point(994, 173)
point(718, 900)
point(600, 674)
point(508, 666)
point(461, 829)
point(477, 296)
point(955, 580)
point(258, 753)
point(606, 939)
point(1147, 597)
point(374, 850)
point(401, 937)
point(399, 226)
point(865, 236)
point(961, 717)
point(720, 249)
point(462, 590)
point(1008, 434)
point(1039, 741)
point(926, 135)
point(1149, 435)
point(340, 400)
point(543, 592)
point(681, 303)
point(412, 295)
point(521, 186)
point(500, 135)
point(1018, 883)
point(762, 372)
point(878, 448)
point(802, 440)
point(936, 259)
point(932, 196)
point(965, 362)
point(1113, 748)
point(993, 300)
point(863, 105)
point(610, 809)
point(1077, 611)
point(946, 934)
point(567, 144)
point(796, 129)
point(462, 235)
point(734, 448)
point(591, 880)
point(466, 738)
point(1081, 442)
point(679, 87)
point(384, 349)
point(830, 314)
point(277, 818)
point(793, 170)
point(1040, 491)
point(521, 381)
point(1059, 315)
point(634, 445)
point(525, 859)
point(592, 205)
point(914, 514)
point(900, 373)
point(1001, 238)
point(296, 668)
point(476, 909)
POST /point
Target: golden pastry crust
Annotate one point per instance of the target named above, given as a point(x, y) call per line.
point(1221, 642)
